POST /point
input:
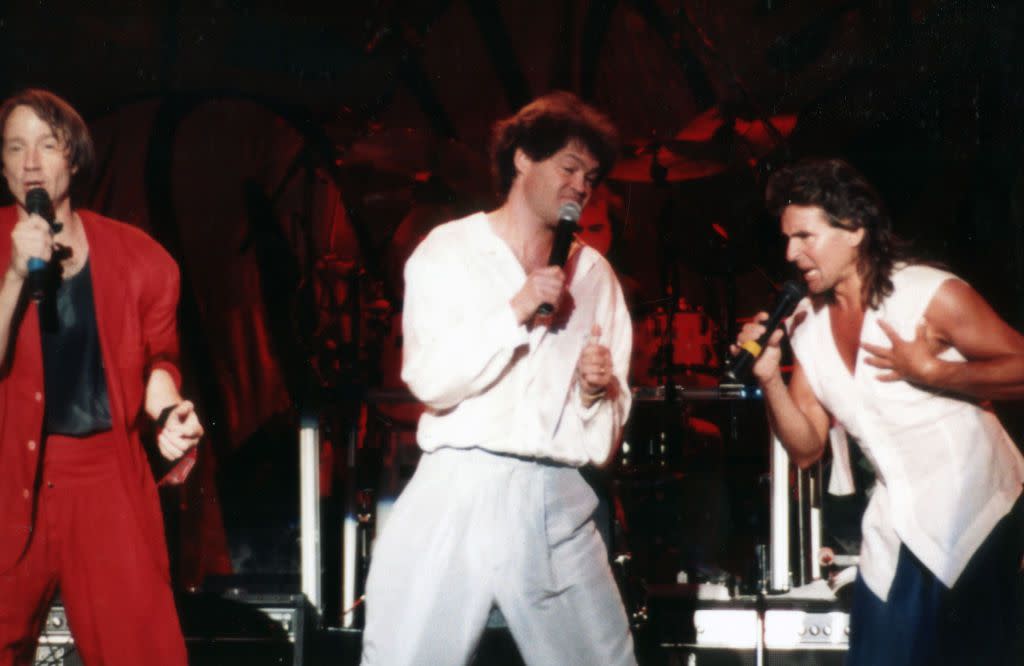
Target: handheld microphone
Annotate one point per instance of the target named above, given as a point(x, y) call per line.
point(37, 202)
point(785, 302)
point(568, 218)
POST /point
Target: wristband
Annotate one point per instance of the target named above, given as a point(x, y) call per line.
point(165, 413)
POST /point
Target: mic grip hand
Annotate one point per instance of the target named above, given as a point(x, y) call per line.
point(738, 371)
point(568, 217)
point(36, 278)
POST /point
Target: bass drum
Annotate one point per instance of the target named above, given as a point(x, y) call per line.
point(685, 351)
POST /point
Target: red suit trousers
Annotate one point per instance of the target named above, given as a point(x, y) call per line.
point(86, 543)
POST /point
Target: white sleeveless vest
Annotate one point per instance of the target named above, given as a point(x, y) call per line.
point(947, 470)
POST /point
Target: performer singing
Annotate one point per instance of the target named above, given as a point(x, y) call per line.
point(497, 512)
point(81, 371)
point(904, 356)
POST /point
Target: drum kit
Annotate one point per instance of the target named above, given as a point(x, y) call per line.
point(675, 480)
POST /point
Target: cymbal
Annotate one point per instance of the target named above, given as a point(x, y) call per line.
point(658, 164)
point(758, 135)
point(708, 145)
point(419, 154)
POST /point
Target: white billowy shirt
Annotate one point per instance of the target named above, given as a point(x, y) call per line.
point(488, 381)
point(947, 471)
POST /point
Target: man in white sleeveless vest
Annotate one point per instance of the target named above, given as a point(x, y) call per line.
point(904, 356)
point(497, 513)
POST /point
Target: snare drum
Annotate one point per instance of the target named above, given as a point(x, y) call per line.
point(692, 338)
point(693, 344)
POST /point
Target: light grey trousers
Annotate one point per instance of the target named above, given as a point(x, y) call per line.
point(475, 529)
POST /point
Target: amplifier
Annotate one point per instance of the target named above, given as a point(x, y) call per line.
point(784, 628)
point(233, 628)
point(786, 631)
point(56, 647)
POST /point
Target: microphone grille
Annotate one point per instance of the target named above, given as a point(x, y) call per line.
point(37, 201)
point(570, 211)
point(794, 289)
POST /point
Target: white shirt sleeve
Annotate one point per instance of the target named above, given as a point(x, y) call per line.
point(601, 424)
point(456, 342)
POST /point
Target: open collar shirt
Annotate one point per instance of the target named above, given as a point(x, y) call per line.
point(947, 471)
point(489, 382)
point(135, 291)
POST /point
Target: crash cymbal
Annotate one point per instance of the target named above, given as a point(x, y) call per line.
point(655, 163)
point(709, 145)
point(757, 136)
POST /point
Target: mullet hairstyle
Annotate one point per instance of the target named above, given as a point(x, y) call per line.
point(850, 202)
point(67, 126)
point(545, 126)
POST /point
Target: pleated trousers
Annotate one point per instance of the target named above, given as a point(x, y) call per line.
point(474, 530)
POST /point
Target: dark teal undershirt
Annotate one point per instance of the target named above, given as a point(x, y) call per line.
point(77, 403)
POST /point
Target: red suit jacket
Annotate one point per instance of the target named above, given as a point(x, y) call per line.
point(135, 289)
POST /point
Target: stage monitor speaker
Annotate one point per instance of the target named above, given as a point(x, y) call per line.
point(220, 630)
point(685, 629)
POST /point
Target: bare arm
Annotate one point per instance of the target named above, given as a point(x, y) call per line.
point(959, 317)
point(794, 413)
point(797, 418)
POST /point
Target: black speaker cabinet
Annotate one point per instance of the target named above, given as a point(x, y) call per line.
point(220, 630)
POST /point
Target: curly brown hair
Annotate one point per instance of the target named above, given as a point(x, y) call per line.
point(545, 126)
point(849, 202)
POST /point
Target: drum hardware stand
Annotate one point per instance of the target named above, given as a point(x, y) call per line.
point(803, 528)
point(346, 396)
point(809, 498)
point(365, 520)
point(636, 610)
point(349, 529)
point(808, 523)
point(779, 507)
point(309, 508)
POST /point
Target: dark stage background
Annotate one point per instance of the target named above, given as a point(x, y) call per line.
point(291, 161)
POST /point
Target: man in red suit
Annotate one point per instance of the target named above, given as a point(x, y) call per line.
point(83, 367)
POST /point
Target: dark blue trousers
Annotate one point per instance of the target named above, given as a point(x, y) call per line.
point(924, 623)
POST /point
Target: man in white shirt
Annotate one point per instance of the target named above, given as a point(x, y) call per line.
point(904, 356)
point(497, 513)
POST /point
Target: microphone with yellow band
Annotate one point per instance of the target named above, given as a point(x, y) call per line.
point(739, 370)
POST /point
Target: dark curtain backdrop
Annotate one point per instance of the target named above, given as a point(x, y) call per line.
point(290, 160)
